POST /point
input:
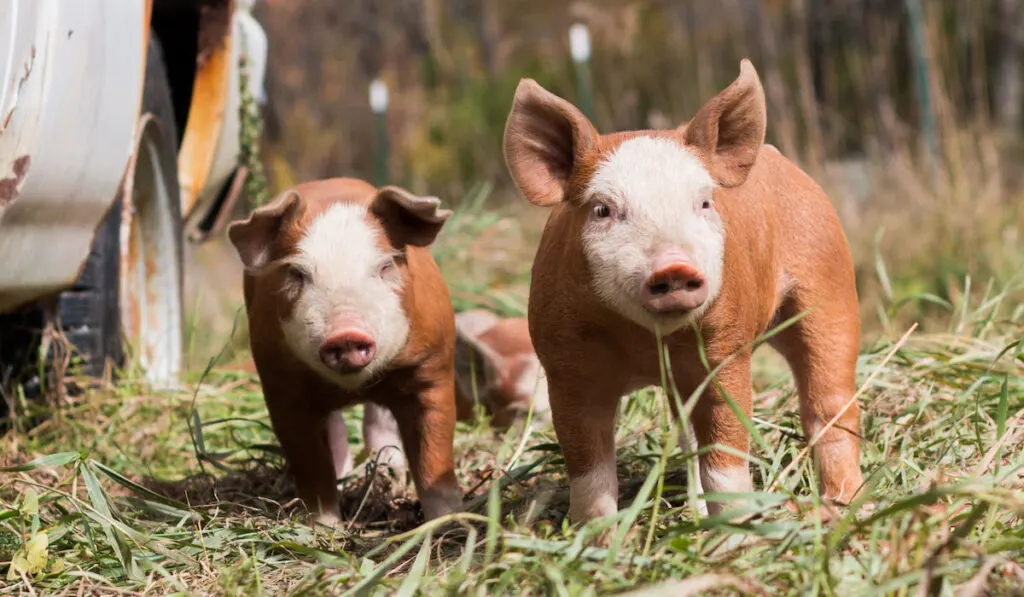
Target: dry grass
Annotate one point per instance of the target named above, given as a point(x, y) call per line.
point(183, 492)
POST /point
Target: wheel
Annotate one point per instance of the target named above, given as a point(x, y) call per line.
point(149, 259)
point(128, 299)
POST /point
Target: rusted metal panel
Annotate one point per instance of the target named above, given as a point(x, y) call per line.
point(210, 149)
point(69, 96)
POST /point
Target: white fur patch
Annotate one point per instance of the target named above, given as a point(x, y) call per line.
point(735, 479)
point(439, 501)
point(533, 383)
point(658, 188)
point(594, 494)
point(342, 256)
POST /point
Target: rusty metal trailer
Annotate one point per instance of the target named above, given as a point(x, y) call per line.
point(119, 141)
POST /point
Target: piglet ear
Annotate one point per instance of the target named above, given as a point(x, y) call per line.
point(254, 236)
point(728, 131)
point(409, 219)
point(545, 137)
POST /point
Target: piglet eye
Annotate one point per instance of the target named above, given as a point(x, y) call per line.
point(706, 204)
point(298, 276)
point(602, 211)
point(386, 268)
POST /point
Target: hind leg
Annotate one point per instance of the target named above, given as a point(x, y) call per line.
point(821, 350)
point(337, 437)
point(381, 436)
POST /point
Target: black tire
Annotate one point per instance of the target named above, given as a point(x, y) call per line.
point(89, 314)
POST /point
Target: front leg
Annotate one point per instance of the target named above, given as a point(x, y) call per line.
point(584, 418)
point(303, 434)
point(716, 424)
point(426, 423)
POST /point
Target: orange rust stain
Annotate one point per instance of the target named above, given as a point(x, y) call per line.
point(129, 261)
point(205, 120)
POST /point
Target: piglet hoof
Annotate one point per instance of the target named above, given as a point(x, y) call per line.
point(327, 519)
point(827, 512)
point(604, 538)
point(440, 501)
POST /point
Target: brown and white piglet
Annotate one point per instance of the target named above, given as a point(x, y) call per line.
point(495, 365)
point(346, 305)
point(673, 232)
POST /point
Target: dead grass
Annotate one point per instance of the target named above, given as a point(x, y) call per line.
point(184, 492)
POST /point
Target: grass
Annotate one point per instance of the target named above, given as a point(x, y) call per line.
point(129, 491)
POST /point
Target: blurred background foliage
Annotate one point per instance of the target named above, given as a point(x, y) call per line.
point(844, 91)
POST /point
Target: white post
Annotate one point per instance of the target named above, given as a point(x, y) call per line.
point(378, 96)
point(579, 42)
point(379, 105)
point(579, 49)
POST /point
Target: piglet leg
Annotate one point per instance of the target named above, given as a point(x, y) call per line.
point(304, 438)
point(584, 418)
point(381, 436)
point(337, 435)
point(426, 423)
point(715, 424)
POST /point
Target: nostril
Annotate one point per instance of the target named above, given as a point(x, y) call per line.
point(361, 348)
point(330, 355)
point(659, 289)
point(694, 284)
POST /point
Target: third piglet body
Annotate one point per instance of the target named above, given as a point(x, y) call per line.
point(346, 305)
point(495, 365)
point(699, 234)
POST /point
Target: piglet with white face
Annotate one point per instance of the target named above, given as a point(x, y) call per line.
point(346, 305)
point(689, 243)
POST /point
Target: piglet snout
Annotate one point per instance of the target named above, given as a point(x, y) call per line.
point(347, 351)
point(675, 286)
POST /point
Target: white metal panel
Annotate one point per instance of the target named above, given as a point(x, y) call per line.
point(73, 73)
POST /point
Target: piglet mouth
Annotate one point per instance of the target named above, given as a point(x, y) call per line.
point(348, 351)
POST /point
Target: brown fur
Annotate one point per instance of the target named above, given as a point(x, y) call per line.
point(504, 354)
point(417, 387)
point(785, 252)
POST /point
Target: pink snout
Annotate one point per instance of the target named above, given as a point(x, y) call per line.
point(675, 287)
point(347, 351)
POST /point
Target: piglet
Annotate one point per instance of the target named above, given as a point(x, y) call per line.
point(697, 234)
point(346, 305)
point(495, 365)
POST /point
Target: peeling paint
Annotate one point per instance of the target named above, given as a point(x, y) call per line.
point(9, 186)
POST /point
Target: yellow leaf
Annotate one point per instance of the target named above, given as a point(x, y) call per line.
point(36, 552)
point(30, 557)
point(18, 565)
point(30, 503)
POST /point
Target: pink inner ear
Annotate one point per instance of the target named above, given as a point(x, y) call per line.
point(729, 129)
point(252, 237)
point(544, 138)
point(409, 219)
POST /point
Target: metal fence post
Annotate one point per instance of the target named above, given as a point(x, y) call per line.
point(379, 105)
point(579, 48)
point(915, 12)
